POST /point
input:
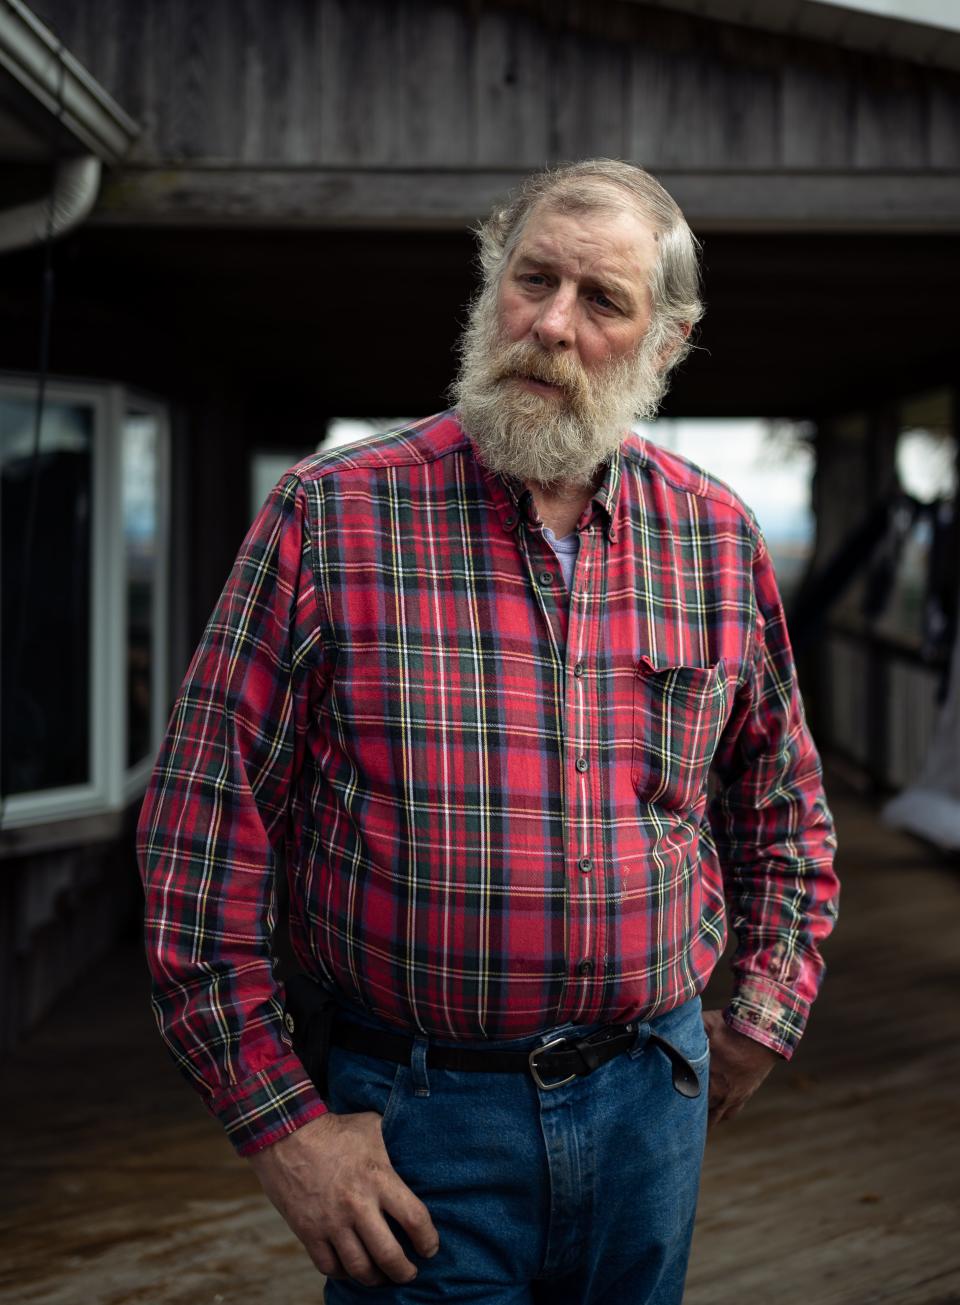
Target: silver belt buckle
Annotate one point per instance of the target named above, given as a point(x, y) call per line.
point(547, 1087)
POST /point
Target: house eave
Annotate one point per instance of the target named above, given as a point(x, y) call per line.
point(853, 27)
point(46, 72)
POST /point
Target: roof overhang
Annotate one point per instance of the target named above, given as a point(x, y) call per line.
point(919, 31)
point(47, 97)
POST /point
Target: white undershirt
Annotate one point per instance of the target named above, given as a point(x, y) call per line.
point(566, 550)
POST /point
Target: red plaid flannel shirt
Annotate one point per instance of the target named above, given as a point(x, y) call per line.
point(489, 798)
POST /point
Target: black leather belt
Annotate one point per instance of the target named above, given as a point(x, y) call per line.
point(552, 1065)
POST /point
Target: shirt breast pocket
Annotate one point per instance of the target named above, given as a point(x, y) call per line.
point(678, 716)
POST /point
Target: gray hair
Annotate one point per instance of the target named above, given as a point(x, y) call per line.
point(594, 185)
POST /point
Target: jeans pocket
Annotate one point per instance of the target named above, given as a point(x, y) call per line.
point(358, 1083)
point(683, 1028)
point(388, 1115)
point(678, 716)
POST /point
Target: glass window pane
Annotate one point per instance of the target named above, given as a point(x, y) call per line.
point(45, 563)
point(140, 476)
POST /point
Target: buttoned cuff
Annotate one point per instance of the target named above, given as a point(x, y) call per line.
point(769, 1013)
point(267, 1106)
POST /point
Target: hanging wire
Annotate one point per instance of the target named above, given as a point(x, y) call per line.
point(46, 319)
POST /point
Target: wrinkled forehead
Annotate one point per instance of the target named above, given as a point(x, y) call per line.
point(608, 242)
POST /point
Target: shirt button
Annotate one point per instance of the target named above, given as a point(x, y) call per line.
point(578, 670)
point(510, 521)
point(289, 1023)
point(545, 577)
point(582, 764)
point(585, 864)
point(585, 969)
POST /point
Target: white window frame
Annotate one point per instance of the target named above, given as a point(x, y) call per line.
point(134, 779)
point(112, 785)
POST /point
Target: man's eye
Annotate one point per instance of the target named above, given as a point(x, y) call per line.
point(603, 302)
point(535, 278)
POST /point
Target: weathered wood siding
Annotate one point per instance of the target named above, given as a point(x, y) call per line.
point(423, 83)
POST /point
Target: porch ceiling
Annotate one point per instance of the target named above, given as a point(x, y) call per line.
point(306, 324)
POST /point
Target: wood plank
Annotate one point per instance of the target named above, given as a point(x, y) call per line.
point(816, 115)
point(146, 57)
point(503, 84)
point(451, 198)
point(108, 24)
point(276, 78)
point(263, 107)
point(703, 104)
point(124, 74)
point(890, 128)
point(589, 91)
point(360, 90)
point(435, 73)
point(943, 109)
point(650, 87)
point(71, 24)
point(196, 92)
point(511, 80)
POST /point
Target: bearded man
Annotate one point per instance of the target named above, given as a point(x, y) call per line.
point(461, 698)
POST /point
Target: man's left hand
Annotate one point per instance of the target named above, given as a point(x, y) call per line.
point(738, 1065)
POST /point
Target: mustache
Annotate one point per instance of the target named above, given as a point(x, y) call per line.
point(522, 359)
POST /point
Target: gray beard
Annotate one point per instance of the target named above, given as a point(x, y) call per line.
point(552, 440)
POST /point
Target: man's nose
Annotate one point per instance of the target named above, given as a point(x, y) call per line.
point(555, 327)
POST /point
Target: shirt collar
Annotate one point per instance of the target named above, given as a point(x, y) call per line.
point(606, 497)
point(514, 501)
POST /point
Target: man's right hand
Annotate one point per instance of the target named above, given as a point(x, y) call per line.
point(333, 1182)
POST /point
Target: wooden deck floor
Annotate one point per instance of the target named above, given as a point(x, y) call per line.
point(840, 1185)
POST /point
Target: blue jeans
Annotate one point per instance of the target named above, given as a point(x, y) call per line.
point(583, 1195)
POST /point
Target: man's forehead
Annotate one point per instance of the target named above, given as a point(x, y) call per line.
point(612, 240)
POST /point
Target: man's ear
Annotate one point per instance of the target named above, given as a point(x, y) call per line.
point(669, 349)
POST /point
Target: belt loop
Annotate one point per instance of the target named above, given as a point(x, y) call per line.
point(643, 1037)
point(418, 1067)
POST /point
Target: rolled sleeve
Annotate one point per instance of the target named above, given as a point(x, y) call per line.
point(214, 826)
